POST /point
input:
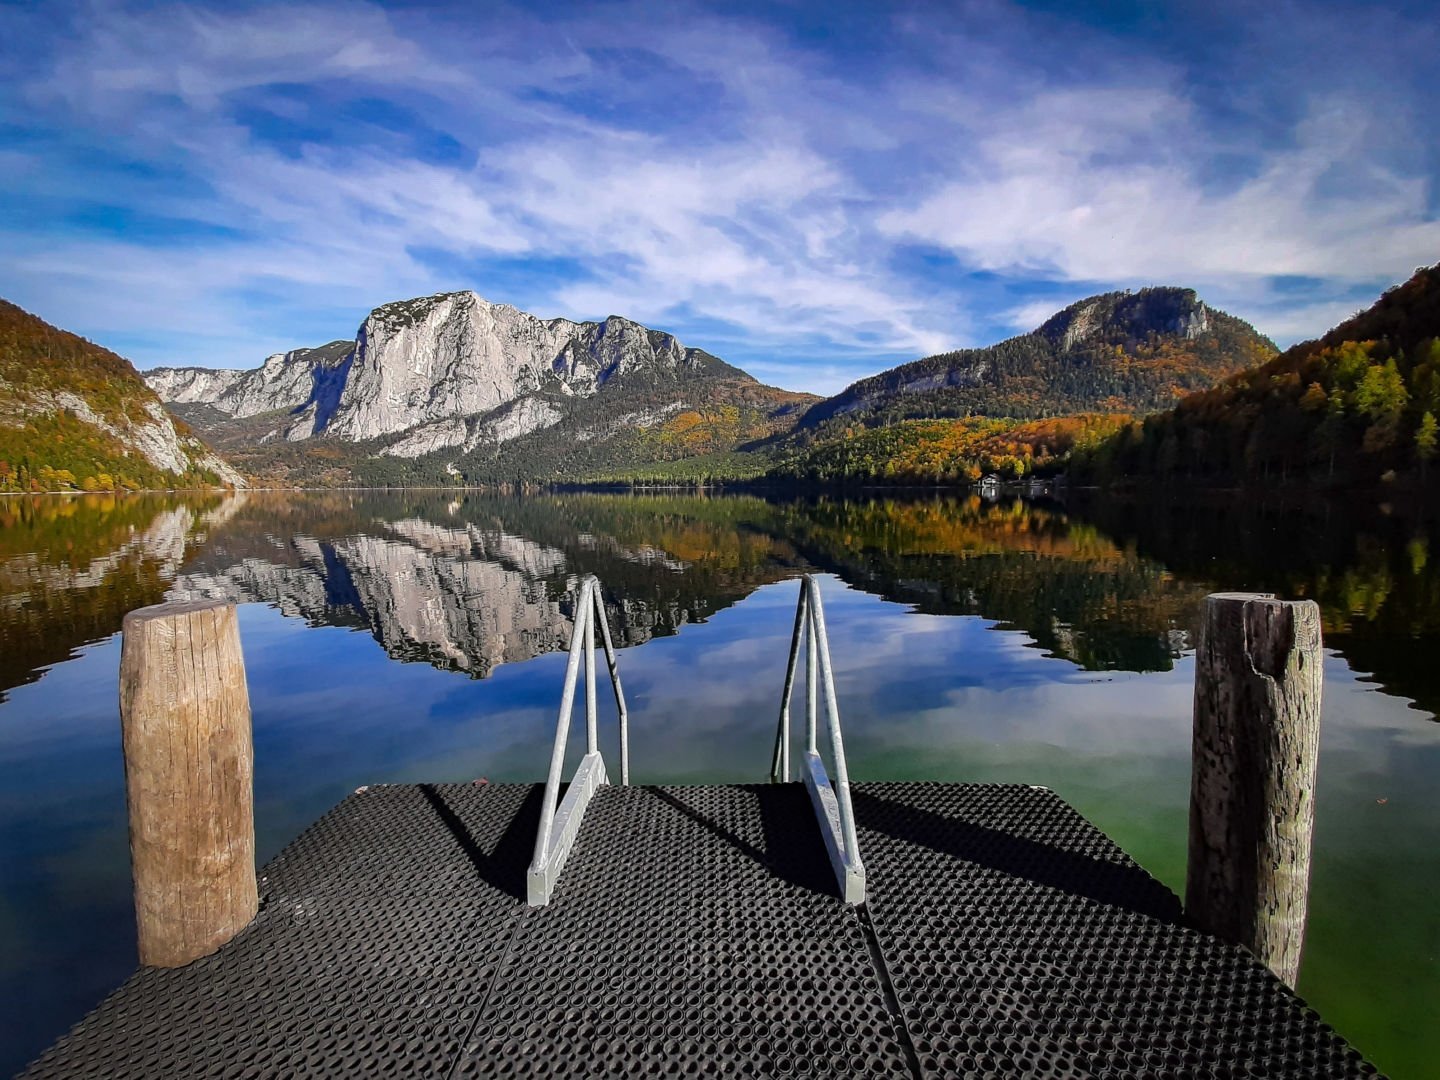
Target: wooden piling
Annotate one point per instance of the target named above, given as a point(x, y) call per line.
point(185, 722)
point(1252, 792)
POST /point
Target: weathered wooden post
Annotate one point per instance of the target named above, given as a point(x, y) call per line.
point(185, 725)
point(1252, 785)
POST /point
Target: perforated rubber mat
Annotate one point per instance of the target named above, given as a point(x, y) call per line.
point(1034, 946)
point(699, 930)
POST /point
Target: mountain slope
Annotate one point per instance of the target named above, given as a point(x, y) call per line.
point(1351, 406)
point(453, 385)
point(74, 415)
point(1116, 352)
point(1024, 404)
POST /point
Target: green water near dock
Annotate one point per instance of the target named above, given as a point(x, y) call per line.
point(396, 637)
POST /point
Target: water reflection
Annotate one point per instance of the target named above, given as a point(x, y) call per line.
point(468, 583)
point(473, 582)
point(1078, 593)
point(1372, 572)
point(70, 568)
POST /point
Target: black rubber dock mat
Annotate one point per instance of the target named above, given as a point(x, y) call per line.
point(699, 930)
point(1021, 941)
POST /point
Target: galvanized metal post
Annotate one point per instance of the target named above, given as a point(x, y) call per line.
point(592, 738)
point(562, 728)
point(560, 823)
point(833, 808)
point(780, 764)
point(615, 685)
point(811, 675)
point(837, 747)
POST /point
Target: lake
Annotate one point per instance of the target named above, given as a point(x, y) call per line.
point(417, 636)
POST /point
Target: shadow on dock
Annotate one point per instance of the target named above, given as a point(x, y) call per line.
point(792, 851)
point(700, 929)
point(503, 868)
point(1115, 880)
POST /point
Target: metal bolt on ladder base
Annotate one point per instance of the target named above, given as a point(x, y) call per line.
point(559, 826)
point(831, 801)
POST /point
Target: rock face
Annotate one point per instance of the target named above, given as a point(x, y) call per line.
point(1129, 318)
point(445, 371)
point(186, 385)
point(283, 381)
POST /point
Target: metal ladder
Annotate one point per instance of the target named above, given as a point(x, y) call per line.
point(560, 825)
point(832, 802)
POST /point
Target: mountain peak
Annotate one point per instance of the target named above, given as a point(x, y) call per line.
point(1114, 352)
point(457, 373)
point(398, 313)
point(1125, 318)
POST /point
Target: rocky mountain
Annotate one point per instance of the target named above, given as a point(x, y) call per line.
point(1117, 352)
point(462, 386)
point(76, 416)
point(283, 381)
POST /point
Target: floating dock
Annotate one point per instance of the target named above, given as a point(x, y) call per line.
point(701, 930)
point(592, 930)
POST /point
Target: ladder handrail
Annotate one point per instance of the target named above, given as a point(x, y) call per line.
point(832, 802)
point(559, 825)
point(551, 849)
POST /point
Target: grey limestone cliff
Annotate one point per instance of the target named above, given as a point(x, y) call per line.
point(283, 381)
point(451, 370)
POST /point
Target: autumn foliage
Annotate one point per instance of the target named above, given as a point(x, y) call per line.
point(950, 451)
point(45, 447)
point(1357, 404)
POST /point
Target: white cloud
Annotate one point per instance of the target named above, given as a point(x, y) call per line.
point(1052, 190)
point(1031, 315)
point(123, 55)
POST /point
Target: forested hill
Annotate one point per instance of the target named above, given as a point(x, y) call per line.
point(1359, 403)
point(76, 416)
point(1027, 404)
point(1129, 352)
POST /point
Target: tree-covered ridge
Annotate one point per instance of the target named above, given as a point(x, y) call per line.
point(73, 417)
point(1116, 352)
point(920, 452)
point(38, 357)
point(1362, 401)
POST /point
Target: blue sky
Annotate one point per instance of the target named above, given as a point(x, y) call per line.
point(815, 191)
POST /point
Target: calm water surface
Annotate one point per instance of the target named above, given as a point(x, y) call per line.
point(417, 637)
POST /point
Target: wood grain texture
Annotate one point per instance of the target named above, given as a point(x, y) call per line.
point(189, 765)
point(1252, 798)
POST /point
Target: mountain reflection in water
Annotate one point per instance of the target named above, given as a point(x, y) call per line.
point(468, 582)
point(471, 582)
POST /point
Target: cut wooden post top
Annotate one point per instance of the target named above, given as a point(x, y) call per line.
point(171, 609)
